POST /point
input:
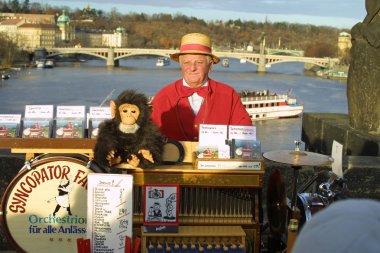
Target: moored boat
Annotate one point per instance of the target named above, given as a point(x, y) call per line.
point(162, 61)
point(49, 63)
point(40, 63)
point(225, 63)
point(262, 105)
point(5, 76)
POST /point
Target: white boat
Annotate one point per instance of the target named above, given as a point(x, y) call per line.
point(162, 61)
point(242, 61)
point(40, 63)
point(5, 76)
point(225, 63)
point(49, 63)
point(262, 105)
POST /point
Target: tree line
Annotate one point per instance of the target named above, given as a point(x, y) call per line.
point(165, 30)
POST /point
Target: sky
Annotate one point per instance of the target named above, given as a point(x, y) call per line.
point(335, 13)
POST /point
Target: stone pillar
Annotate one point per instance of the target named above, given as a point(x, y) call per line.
point(363, 86)
point(261, 67)
point(110, 58)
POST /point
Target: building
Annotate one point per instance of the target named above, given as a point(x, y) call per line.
point(344, 43)
point(30, 18)
point(31, 31)
point(116, 39)
point(9, 27)
point(66, 28)
point(33, 36)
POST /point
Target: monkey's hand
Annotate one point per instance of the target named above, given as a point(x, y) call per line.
point(134, 161)
point(112, 160)
point(147, 155)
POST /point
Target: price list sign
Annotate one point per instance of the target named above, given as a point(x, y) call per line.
point(109, 211)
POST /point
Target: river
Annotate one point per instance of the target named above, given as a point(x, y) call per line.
point(89, 83)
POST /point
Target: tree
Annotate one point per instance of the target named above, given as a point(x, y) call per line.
point(25, 8)
point(15, 6)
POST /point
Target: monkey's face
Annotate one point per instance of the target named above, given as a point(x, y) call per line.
point(129, 114)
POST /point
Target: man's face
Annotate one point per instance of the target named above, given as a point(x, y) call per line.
point(129, 114)
point(195, 68)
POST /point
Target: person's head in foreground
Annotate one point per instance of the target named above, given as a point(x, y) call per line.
point(346, 226)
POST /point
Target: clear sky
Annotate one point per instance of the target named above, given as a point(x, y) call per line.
point(336, 13)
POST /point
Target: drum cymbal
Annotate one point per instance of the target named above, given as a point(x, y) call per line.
point(298, 158)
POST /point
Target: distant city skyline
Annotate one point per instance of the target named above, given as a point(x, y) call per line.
point(339, 14)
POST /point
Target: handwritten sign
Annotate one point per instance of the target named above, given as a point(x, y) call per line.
point(70, 111)
point(109, 211)
point(39, 111)
point(10, 118)
point(242, 132)
point(215, 135)
point(100, 112)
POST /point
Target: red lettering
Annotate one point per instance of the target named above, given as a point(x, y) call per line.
point(57, 171)
point(22, 185)
point(37, 176)
point(22, 195)
point(30, 181)
point(16, 209)
point(66, 171)
point(44, 175)
point(82, 181)
point(50, 168)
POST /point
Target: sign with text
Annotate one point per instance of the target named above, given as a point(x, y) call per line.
point(214, 135)
point(39, 111)
point(70, 111)
point(109, 211)
point(241, 132)
point(100, 112)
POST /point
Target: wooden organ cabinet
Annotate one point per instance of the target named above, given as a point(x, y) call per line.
point(216, 206)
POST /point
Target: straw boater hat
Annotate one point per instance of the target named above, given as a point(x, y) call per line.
point(195, 43)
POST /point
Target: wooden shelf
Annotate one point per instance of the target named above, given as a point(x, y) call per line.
point(31, 147)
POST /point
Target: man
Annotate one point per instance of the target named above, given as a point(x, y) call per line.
point(181, 106)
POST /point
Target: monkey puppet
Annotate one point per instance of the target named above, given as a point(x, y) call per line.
point(130, 137)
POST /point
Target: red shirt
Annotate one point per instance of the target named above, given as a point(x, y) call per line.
point(175, 118)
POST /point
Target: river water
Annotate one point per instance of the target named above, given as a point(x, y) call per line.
point(89, 83)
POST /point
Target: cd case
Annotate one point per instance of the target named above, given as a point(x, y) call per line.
point(246, 149)
point(37, 128)
point(69, 128)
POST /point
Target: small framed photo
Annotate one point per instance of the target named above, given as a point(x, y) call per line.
point(161, 207)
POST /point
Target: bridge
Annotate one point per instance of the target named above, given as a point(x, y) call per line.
point(113, 55)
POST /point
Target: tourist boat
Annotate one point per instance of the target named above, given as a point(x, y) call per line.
point(162, 61)
point(49, 63)
point(262, 105)
point(242, 61)
point(225, 63)
point(5, 76)
point(40, 63)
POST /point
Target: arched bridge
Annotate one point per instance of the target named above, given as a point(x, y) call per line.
point(113, 55)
